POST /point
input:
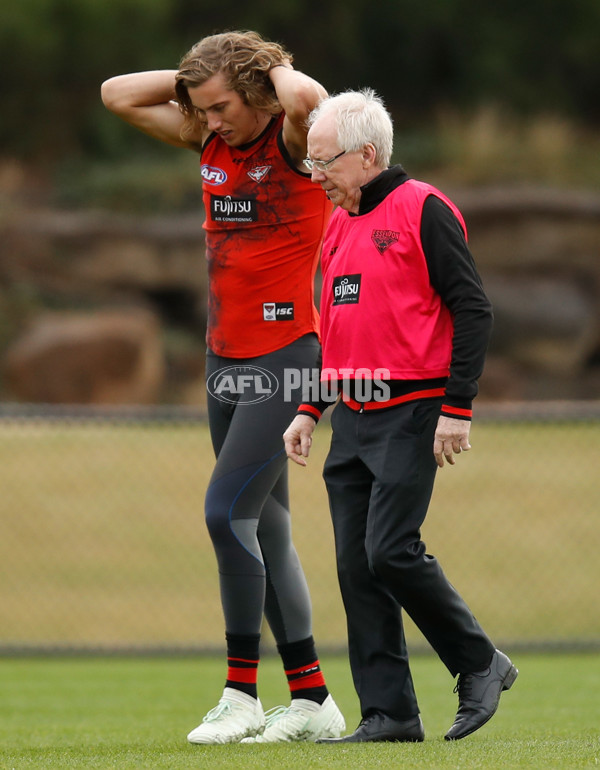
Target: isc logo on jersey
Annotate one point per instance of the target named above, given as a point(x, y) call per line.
point(213, 175)
point(278, 311)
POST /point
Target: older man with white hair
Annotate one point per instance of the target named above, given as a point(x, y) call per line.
point(405, 324)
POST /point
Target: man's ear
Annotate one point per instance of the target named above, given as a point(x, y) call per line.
point(368, 155)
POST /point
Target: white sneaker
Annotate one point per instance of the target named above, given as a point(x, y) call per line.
point(304, 720)
point(236, 716)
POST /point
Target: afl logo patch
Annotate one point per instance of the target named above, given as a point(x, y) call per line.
point(213, 175)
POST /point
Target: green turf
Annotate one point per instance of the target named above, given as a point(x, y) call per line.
point(134, 713)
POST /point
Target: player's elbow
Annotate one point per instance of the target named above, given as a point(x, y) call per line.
point(107, 94)
point(305, 97)
point(111, 93)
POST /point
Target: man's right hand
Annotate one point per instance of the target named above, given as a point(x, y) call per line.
point(298, 438)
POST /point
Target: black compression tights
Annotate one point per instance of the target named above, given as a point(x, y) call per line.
point(247, 505)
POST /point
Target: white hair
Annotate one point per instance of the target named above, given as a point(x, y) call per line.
point(360, 117)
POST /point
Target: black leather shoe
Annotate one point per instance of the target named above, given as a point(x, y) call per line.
point(381, 727)
point(479, 695)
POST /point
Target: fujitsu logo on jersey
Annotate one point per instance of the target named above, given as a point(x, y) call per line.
point(228, 209)
point(259, 173)
point(346, 289)
point(383, 239)
point(212, 174)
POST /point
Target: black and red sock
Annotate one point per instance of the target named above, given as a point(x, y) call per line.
point(303, 671)
point(242, 662)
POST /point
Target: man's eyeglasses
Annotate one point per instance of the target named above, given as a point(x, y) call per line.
point(321, 165)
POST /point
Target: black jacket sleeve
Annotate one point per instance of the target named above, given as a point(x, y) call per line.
point(315, 407)
point(454, 276)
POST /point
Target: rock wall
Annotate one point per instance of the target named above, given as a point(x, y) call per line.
point(539, 255)
point(109, 357)
point(131, 296)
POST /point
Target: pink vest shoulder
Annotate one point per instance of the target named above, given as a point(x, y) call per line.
point(415, 192)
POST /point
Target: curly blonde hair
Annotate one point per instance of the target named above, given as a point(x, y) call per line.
point(244, 58)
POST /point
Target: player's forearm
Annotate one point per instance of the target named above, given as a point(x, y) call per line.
point(123, 93)
point(298, 93)
point(145, 100)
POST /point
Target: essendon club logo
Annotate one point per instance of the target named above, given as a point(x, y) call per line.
point(383, 239)
point(278, 311)
point(346, 289)
point(259, 173)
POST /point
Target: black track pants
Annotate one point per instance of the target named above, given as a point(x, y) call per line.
point(379, 475)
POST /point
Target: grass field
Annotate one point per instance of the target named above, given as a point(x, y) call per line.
point(104, 545)
point(104, 542)
point(127, 713)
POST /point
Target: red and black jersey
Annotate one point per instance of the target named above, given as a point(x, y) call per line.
point(264, 227)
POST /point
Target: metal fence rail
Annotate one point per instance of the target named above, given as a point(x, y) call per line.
point(103, 545)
